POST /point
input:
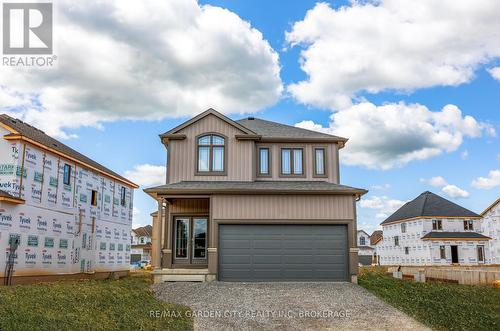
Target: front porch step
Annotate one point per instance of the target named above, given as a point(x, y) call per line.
point(182, 275)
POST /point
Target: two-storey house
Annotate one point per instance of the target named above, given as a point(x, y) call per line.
point(431, 230)
point(253, 200)
point(366, 251)
point(490, 226)
point(61, 213)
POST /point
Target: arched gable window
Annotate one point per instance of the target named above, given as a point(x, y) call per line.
point(210, 150)
point(362, 241)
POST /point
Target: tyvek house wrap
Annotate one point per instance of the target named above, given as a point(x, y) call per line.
point(60, 231)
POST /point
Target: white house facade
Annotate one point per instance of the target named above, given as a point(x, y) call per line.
point(431, 230)
point(141, 244)
point(60, 212)
point(490, 226)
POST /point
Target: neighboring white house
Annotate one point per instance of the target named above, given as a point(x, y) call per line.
point(141, 244)
point(431, 230)
point(61, 213)
point(365, 251)
point(490, 226)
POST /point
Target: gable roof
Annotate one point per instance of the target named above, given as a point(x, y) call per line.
point(364, 233)
point(258, 129)
point(273, 130)
point(144, 231)
point(490, 207)
point(207, 112)
point(24, 131)
point(429, 204)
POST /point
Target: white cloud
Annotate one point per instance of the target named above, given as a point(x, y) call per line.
point(124, 59)
point(390, 135)
point(495, 73)
point(493, 180)
point(382, 187)
point(147, 175)
point(437, 181)
point(454, 191)
point(464, 155)
point(382, 204)
point(391, 45)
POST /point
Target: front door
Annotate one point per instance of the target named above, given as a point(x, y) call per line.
point(190, 240)
point(454, 254)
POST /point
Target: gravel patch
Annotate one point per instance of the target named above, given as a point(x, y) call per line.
point(284, 306)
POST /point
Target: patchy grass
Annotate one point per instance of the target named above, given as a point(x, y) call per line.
point(124, 304)
point(438, 305)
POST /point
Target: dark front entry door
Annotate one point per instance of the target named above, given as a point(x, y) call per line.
point(454, 254)
point(283, 252)
point(190, 240)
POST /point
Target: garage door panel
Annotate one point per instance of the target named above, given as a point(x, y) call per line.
point(271, 259)
point(266, 243)
point(235, 243)
point(236, 259)
point(282, 252)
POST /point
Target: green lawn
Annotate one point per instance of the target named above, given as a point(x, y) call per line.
point(438, 305)
point(123, 304)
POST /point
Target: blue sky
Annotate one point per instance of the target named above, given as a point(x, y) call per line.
point(401, 71)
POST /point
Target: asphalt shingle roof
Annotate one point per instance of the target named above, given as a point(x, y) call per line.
point(41, 137)
point(429, 204)
point(454, 235)
point(268, 129)
point(256, 186)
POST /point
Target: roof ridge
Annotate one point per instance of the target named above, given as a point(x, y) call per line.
point(426, 194)
point(286, 125)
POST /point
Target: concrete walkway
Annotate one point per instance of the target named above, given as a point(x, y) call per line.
point(285, 306)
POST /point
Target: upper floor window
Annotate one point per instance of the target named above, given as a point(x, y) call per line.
point(122, 196)
point(264, 162)
point(292, 161)
point(362, 241)
point(67, 174)
point(468, 225)
point(437, 225)
point(403, 227)
point(396, 240)
point(319, 162)
point(211, 149)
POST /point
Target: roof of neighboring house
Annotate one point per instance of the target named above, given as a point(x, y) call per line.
point(144, 231)
point(208, 187)
point(429, 204)
point(439, 235)
point(376, 236)
point(268, 129)
point(21, 130)
point(6, 196)
point(364, 232)
point(490, 207)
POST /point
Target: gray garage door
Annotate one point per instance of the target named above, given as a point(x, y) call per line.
point(283, 252)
